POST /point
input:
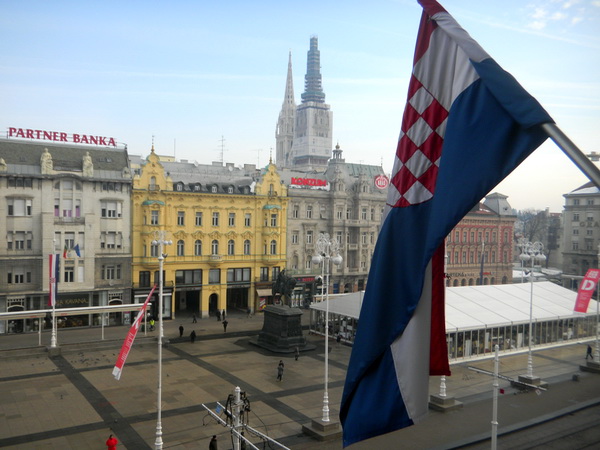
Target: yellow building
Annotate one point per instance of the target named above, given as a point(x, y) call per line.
point(227, 227)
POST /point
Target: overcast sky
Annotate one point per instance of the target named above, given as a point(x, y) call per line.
point(207, 78)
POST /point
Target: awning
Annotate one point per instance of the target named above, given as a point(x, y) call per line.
point(264, 292)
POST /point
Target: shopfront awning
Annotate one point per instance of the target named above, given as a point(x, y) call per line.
point(264, 292)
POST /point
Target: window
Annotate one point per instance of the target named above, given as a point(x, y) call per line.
point(295, 211)
point(19, 207)
point(295, 237)
point(145, 278)
point(214, 276)
point(590, 202)
point(590, 218)
point(575, 217)
point(180, 247)
point(19, 240)
point(230, 247)
point(188, 276)
point(247, 247)
point(338, 237)
point(238, 275)
point(309, 237)
point(69, 274)
point(247, 219)
point(348, 213)
point(181, 218)
point(575, 231)
point(363, 238)
point(108, 239)
point(154, 218)
point(232, 219)
point(372, 213)
point(308, 263)
point(264, 274)
point(154, 250)
point(275, 273)
point(110, 209)
point(19, 276)
point(273, 247)
point(215, 219)
point(111, 272)
point(339, 214)
point(215, 247)
point(576, 201)
point(213, 189)
point(152, 186)
point(575, 245)
point(179, 187)
point(230, 190)
point(273, 220)
point(198, 247)
point(309, 211)
point(198, 219)
point(363, 214)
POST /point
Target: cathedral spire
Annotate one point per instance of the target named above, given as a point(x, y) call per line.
point(313, 91)
point(289, 100)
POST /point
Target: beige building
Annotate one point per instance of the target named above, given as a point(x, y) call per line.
point(71, 200)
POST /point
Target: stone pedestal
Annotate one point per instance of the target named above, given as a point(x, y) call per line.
point(443, 404)
point(533, 381)
point(590, 366)
point(323, 431)
point(282, 330)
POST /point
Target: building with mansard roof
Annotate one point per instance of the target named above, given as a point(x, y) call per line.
point(71, 200)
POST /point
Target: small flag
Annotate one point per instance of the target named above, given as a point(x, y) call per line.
point(65, 251)
point(53, 277)
point(77, 252)
point(467, 124)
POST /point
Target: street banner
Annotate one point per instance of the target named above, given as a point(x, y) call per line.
point(130, 338)
point(586, 289)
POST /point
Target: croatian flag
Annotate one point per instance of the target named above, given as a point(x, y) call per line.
point(467, 124)
point(53, 277)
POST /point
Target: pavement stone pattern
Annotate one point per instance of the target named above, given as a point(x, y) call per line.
point(72, 401)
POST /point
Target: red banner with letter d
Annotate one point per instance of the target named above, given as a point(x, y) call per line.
point(586, 289)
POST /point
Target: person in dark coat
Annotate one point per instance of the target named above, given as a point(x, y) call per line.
point(192, 336)
point(213, 443)
point(219, 315)
point(194, 318)
point(225, 326)
point(280, 370)
point(297, 353)
point(589, 353)
point(180, 330)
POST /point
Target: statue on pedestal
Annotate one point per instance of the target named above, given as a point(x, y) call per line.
point(46, 162)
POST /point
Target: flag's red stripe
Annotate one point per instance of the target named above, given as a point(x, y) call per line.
point(438, 354)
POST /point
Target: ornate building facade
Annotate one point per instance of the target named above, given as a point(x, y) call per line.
point(480, 248)
point(227, 226)
point(71, 200)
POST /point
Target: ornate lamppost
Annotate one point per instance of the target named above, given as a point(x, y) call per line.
point(159, 239)
point(531, 251)
point(326, 250)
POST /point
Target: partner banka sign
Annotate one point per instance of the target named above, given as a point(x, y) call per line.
point(59, 136)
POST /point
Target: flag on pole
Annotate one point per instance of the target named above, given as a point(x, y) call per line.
point(131, 334)
point(65, 251)
point(53, 277)
point(586, 290)
point(467, 124)
point(77, 252)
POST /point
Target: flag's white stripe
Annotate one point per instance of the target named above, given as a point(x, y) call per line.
point(411, 356)
point(451, 63)
point(458, 35)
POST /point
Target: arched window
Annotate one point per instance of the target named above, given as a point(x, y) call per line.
point(152, 183)
point(230, 247)
point(198, 247)
point(215, 247)
point(247, 247)
point(180, 248)
point(273, 247)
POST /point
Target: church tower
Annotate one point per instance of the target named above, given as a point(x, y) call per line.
point(284, 134)
point(312, 144)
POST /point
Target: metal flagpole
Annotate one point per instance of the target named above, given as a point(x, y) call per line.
point(573, 152)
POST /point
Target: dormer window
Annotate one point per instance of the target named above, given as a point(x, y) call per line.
point(213, 189)
point(197, 187)
point(230, 190)
point(179, 186)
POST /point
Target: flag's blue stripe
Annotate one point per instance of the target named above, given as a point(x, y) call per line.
point(482, 145)
point(379, 394)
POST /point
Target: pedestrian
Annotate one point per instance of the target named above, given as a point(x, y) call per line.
point(194, 318)
point(225, 326)
point(249, 311)
point(280, 370)
point(192, 336)
point(218, 315)
point(111, 442)
point(589, 353)
point(297, 354)
point(338, 339)
point(180, 330)
point(223, 314)
point(213, 443)
point(152, 324)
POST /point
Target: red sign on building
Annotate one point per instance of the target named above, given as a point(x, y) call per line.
point(59, 136)
point(381, 181)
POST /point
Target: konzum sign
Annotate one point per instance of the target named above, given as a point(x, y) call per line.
point(308, 182)
point(59, 136)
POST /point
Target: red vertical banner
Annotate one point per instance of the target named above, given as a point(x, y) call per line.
point(586, 290)
point(118, 369)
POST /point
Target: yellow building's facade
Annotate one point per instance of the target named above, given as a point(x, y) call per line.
point(228, 231)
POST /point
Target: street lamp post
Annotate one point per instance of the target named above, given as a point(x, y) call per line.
point(159, 239)
point(326, 250)
point(531, 251)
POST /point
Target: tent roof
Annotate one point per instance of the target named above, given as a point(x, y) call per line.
point(472, 307)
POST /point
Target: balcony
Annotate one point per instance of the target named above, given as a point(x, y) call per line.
point(215, 260)
point(69, 220)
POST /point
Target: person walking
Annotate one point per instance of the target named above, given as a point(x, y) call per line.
point(194, 318)
point(180, 330)
point(225, 325)
point(297, 353)
point(111, 442)
point(218, 315)
point(223, 314)
point(213, 443)
point(280, 367)
point(589, 353)
point(152, 324)
point(192, 336)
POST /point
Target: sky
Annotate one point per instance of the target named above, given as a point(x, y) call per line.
point(205, 80)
